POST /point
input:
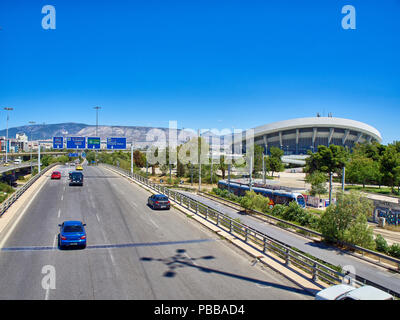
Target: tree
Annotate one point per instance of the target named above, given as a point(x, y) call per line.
point(222, 166)
point(390, 165)
point(139, 159)
point(347, 219)
point(258, 154)
point(329, 160)
point(317, 180)
point(362, 170)
point(274, 162)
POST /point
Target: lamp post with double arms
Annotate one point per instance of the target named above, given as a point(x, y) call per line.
point(31, 146)
point(7, 109)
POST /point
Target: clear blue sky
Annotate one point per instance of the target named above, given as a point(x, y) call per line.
point(206, 64)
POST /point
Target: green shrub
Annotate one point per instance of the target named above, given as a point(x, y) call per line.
point(394, 250)
point(278, 210)
point(381, 244)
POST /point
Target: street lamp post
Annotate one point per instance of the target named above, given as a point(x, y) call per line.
point(97, 117)
point(30, 131)
point(7, 109)
point(97, 124)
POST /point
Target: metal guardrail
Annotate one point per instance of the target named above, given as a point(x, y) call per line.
point(8, 202)
point(256, 239)
point(379, 256)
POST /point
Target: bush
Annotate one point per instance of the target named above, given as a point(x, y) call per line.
point(394, 250)
point(381, 244)
point(4, 187)
point(278, 210)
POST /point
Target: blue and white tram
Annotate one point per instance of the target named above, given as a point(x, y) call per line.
point(277, 196)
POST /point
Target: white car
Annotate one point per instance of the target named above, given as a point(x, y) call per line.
point(346, 292)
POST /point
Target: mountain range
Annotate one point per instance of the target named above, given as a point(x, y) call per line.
point(141, 136)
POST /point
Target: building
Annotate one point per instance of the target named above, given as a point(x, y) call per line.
point(297, 136)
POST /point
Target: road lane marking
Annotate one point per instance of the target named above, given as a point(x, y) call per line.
point(97, 216)
point(62, 197)
point(59, 213)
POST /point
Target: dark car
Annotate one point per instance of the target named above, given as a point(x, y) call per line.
point(76, 178)
point(159, 201)
point(72, 233)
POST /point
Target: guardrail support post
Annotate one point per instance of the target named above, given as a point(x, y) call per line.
point(247, 235)
point(265, 245)
point(287, 257)
point(315, 272)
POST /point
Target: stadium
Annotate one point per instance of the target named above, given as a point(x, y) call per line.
point(297, 136)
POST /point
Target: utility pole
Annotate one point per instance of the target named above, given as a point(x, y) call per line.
point(199, 148)
point(131, 159)
point(263, 166)
point(250, 172)
point(211, 168)
point(343, 178)
point(7, 142)
point(97, 124)
point(39, 157)
point(229, 177)
point(97, 117)
point(330, 188)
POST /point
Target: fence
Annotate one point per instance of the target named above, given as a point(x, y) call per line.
point(259, 241)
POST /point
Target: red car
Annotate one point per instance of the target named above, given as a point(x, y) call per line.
point(56, 175)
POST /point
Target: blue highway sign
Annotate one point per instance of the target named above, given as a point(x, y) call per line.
point(116, 143)
point(76, 142)
point(58, 142)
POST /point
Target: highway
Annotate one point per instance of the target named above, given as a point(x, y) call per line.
point(133, 252)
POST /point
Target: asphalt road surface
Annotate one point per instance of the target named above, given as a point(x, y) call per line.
point(132, 252)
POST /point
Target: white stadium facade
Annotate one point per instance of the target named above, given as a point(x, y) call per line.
point(297, 136)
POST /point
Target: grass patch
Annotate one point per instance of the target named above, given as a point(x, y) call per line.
point(382, 190)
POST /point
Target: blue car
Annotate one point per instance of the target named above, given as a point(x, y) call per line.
point(72, 233)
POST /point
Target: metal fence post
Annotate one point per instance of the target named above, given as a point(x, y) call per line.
point(247, 235)
point(230, 225)
point(265, 245)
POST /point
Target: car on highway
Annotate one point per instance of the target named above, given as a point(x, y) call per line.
point(347, 292)
point(159, 201)
point(56, 175)
point(76, 178)
point(6, 164)
point(79, 167)
point(72, 233)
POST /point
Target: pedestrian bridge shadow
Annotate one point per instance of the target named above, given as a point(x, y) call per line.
point(181, 260)
point(326, 246)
